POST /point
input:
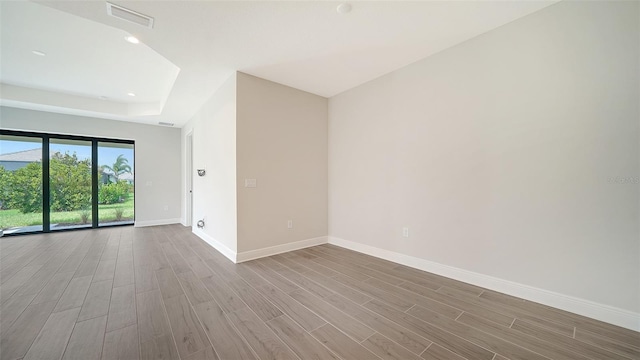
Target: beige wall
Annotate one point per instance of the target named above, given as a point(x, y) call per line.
point(282, 143)
point(497, 154)
point(214, 149)
point(157, 151)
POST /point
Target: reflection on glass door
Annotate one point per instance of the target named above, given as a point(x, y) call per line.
point(115, 183)
point(70, 184)
point(20, 184)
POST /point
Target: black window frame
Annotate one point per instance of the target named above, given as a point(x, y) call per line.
point(46, 196)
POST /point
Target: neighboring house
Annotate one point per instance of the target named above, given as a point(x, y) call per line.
point(16, 160)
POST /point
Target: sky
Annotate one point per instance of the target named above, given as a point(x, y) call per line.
point(106, 155)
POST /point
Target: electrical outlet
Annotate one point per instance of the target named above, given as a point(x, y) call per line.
point(405, 232)
point(290, 224)
point(166, 208)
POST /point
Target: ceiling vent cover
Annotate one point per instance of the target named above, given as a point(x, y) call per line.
point(129, 15)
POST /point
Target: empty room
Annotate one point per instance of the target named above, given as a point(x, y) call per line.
point(375, 180)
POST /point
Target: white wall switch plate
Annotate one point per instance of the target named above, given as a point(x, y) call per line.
point(250, 183)
point(405, 232)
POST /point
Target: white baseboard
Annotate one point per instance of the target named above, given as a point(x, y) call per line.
point(606, 313)
point(156, 222)
point(223, 249)
point(279, 249)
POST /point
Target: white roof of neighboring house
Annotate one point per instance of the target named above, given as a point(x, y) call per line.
point(32, 155)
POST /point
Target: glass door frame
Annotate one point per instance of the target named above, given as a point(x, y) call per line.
point(46, 189)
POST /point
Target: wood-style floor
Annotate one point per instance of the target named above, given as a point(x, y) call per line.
point(162, 293)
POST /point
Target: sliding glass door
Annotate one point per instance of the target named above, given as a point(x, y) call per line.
point(115, 183)
point(69, 184)
point(52, 182)
point(20, 184)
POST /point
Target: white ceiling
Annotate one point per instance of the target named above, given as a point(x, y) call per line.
point(195, 45)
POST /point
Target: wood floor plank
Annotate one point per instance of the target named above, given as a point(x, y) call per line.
point(188, 332)
point(74, 294)
point(54, 288)
point(574, 345)
point(437, 306)
point(437, 352)
point(341, 344)
point(105, 270)
point(534, 344)
point(299, 340)
point(387, 349)
point(121, 344)
point(418, 280)
point(488, 341)
point(376, 293)
point(271, 276)
point(632, 352)
point(206, 354)
point(460, 304)
point(145, 278)
point(408, 339)
point(256, 301)
point(223, 294)
point(345, 323)
point(52, 339)
point(461, 345)
point(263, 341)
point(337, 287)
point(168, 283)
point(166, 294)
point(194, 289)
point(18, 338)
point(97, 300)
point(12, 309)
point(508, 311)
point(17, 281)
point(343, 269)
point(86, 340)
point(300, 314)
point(472, 289)
point(159, 348)
point(152, 320)
point(124, 273)
point(90, 262)
point(226, 341)
point(122, 309)
point(199, 267)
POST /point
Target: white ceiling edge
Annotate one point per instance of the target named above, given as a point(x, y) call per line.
point(66, 102)
point(325, 54)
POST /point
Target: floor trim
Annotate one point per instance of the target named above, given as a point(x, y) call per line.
point(223, 249)
point(606, 313)
point(156, 222)
point(279, 249)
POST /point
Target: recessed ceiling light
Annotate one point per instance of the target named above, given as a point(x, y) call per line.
point(103, 98)
point(39, 53)
point(132, 39)
point(131, 94)
point(344, 8)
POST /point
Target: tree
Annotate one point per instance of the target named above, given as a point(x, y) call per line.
point(25, 185)
point(120, 167)
point(69, 182)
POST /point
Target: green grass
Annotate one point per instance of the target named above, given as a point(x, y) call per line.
point(14, 218)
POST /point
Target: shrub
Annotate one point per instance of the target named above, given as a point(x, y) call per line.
point(113, 193)
point(119, 212)
point(85, 215)
point(25, 185)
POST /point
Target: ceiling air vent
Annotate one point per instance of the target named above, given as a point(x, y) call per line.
point(165, 123)
point(129, 15)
